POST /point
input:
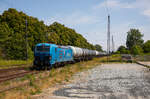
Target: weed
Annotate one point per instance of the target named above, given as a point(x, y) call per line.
point(20, 89)
point(32, 80)
point(36, 90)
point(40, 76)
point(50, 74)
point(55, 80)
point(2, 95)
point(32, 92)
point(28, 97)
point(6, 83)
point(66, 79)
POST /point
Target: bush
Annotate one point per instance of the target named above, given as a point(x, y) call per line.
point(0, 53)
point(136, 50)
point(123, 50)
point(30, 53)
point(146, 47)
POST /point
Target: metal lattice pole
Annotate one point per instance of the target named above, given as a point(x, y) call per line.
point(113, 44)
point(108, 37)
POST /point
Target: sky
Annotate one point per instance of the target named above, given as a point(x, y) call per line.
point(89, 17)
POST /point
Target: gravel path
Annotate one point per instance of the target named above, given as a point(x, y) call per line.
point(109, 81)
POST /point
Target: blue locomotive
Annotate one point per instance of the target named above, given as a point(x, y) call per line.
point(46, 54)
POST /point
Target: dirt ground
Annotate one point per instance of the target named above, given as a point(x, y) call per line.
point(107, 81)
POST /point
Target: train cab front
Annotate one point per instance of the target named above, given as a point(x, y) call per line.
point(42, 55)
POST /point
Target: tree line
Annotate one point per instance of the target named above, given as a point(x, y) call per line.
point(13, 35)
point(134, 44)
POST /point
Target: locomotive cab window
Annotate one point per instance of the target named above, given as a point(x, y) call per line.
point(43, 48)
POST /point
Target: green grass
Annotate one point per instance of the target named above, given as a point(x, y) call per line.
point(13, 63)
point(146, 54)
point(112, 58)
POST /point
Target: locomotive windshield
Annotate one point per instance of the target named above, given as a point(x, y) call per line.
point(43, 48)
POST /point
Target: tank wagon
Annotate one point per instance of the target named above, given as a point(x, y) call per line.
point(46, 54)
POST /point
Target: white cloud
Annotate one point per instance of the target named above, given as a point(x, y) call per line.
point(73, 19)
point(141, 5)
point(78, 18)
point(113, 4)
point(147, 12)
point(144, 6)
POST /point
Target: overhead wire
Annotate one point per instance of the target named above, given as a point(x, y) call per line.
point(107, 8)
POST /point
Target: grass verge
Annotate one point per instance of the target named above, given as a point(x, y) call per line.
point(13, 63)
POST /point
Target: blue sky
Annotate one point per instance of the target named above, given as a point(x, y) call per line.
point(89, 17)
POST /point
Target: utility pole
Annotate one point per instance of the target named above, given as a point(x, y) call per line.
point(26, 40)
point(108, 36)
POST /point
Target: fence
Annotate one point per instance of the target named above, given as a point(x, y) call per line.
point(142, 58)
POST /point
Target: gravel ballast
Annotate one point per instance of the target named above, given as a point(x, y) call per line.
point(107, 81)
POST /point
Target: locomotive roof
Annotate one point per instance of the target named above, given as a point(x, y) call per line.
point(47, 44)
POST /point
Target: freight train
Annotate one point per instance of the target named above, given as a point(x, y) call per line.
point(49, 55)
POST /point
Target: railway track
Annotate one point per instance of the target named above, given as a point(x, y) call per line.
point(3, 67)
point(17, 75)
point(14, 65)
point(12, 73)
point(12, 69)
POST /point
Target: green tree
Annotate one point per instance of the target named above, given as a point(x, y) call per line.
point(59, 34)
point(146, 46)
point(123, 50)
point(4, 32)
point(98, 47)
point(36, 30)
point(4, 38)
point(134, 37)
point(136, 50)
point(13, 34)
